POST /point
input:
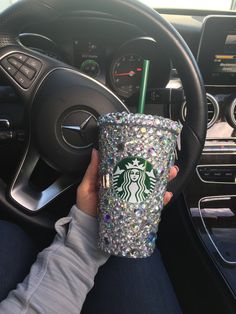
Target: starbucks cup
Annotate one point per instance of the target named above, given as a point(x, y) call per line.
point(136, 151)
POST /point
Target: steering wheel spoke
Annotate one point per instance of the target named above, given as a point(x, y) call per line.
point(29, 197)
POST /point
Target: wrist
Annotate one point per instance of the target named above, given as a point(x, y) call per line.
point(88, 211)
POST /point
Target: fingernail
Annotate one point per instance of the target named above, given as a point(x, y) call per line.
point(171, 194)
point(94, 151)
point(95, 154)
point(177, 168)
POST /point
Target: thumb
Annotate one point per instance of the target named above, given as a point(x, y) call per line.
point(91, 174)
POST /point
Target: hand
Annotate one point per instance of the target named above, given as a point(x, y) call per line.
point(87, 192)
point(172, 174)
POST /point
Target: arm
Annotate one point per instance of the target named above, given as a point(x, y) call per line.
point(63, 273)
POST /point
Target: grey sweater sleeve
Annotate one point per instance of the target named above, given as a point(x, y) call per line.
point(63, 273)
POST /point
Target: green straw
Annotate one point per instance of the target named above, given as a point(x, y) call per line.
point(143, 86)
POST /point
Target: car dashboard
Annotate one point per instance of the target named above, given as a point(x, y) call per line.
point(108, 50)
point(112, 51)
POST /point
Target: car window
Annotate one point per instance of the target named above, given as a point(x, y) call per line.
point(192, 4)
point(6, 3)
point(221, 5)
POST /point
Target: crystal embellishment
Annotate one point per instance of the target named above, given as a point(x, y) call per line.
point(136, 152)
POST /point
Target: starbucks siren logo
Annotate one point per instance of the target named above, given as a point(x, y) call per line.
point(134, 179)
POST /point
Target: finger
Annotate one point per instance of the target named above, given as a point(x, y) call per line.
point(173, 172)
point(91, 174)
point(167, 197)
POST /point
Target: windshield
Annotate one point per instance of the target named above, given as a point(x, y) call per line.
point(5, 3)
point(222, 5)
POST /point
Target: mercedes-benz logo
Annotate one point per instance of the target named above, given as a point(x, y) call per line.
point(78, 129)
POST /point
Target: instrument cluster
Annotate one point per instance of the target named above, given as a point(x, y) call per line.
point(119, 68)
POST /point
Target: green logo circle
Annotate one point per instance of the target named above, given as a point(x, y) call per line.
point(134, 179)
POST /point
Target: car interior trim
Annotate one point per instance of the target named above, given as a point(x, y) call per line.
point(35, 35)
point(216, 166)
point(216, 110)
point(232, 114)
point(213, 198)
point(4, 124)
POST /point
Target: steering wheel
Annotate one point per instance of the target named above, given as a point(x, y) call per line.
point(62, 105)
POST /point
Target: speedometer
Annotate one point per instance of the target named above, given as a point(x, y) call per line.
point(126, 68)
point(126, 72)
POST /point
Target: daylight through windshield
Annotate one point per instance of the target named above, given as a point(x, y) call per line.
point(221, 5)
point(190, 4)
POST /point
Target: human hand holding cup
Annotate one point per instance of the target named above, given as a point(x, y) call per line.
point(87, 192)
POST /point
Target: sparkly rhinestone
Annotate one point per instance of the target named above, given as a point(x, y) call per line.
point(120, 147)
point(105, 201)
point(120, 119)
point(151, 237)
point(135, 228)
point(156, 208)
point(156, 221)
point(161, 170)
point(109, 226)
point(110, 160)
point(151, 151)
point(134, 253)
point(138, 212)
point(106, 241)
point(107, 218)
point(143, 130)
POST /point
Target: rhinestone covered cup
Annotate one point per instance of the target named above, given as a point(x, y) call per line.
point(136, 152)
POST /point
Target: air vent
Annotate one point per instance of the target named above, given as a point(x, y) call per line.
point(212, 108)
point(233, 113)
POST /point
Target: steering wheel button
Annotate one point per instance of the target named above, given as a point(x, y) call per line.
point(35, 64)
point(20, 57)
point(27, 72)
point(8, 67)
point(15, 63)
point(22, 80)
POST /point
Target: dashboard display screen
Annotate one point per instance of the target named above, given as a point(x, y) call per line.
point(230, 43)
point(217, 51)
point(224, 64)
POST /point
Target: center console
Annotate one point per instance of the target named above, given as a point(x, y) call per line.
point(211, 194)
